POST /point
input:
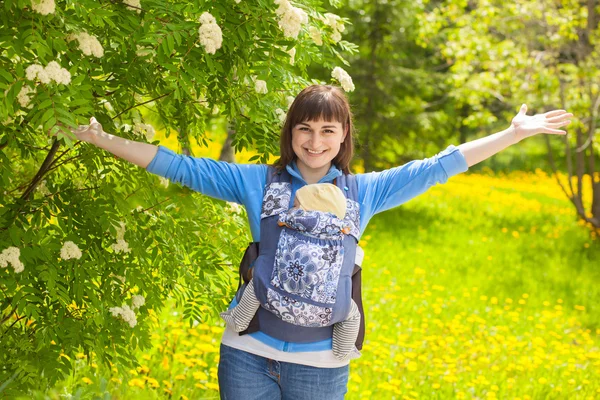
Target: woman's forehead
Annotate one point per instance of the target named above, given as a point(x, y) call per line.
point(321, 123)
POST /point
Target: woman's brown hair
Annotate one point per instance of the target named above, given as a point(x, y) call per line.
point(319, 102)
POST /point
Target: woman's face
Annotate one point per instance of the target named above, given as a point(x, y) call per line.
point(316, 143)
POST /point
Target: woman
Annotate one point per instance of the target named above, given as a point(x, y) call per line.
point(316, 146)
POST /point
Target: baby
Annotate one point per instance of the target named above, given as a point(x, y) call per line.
point(323, 197)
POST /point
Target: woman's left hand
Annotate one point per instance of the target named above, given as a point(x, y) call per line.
point(526, 126)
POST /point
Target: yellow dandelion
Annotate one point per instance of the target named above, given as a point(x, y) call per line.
point(200, 375)
point(86, 380)
point(136, 382)
point(180, 377)
point(212, 386)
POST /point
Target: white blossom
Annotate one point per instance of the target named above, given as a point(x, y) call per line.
point(290, 100)
point(137, 301)
point(290, 18)
point(336, 36)
point(52, 72)
point(24, 97)
point(108, 106)
point(260, 86)
point(315, 35)
point(121, 246)
point(292, 53)
point(70, 250)
point(211, 36)
point(42, 188)
point(144, 129)
point(334, 21)
point(125, 313)
point(134, 5)
point(32, 71)
point(234, 208)
point(336, 24)
point(344, 79)
point(164, 181)
point(88, 44)
point(43, 7)
point(281, 114)
point(11, 255)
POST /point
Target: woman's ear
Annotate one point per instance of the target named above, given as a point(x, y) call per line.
point(345, 134)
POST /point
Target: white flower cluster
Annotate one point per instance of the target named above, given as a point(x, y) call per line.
point(164, 182)
point(70, 250)
point(144, 129)
point(336, 24)
point(260, 86)
point(290, 18)
point(134, 5)
point(290, 100)
point(210, 33)
point(24, 97)
point(11, 255)
point(281, 114)
point(315, 35)
point(42, 188)
point(234, 208)
point(343, 77)
point(292, 53)
point(127, 313)
point(88, 44)
point(121, 246)
point(52, 72)
point(43, 7)
point(137, 301)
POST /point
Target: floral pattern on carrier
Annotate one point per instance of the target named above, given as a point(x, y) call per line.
point(297, 312)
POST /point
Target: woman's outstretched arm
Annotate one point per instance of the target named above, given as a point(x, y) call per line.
point(135, 152)
point(522, 126)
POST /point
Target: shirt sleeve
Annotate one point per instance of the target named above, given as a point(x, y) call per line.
point(218, 179)
point(380, 191)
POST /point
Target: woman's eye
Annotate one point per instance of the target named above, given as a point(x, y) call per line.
point(329, 131)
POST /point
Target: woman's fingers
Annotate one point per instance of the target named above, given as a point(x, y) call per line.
point(558, 124)
point(553, 113)
point(559, 118)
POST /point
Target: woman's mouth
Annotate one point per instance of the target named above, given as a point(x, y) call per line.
point(315, 153)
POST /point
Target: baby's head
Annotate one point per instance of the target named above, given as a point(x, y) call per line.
point(321, 197)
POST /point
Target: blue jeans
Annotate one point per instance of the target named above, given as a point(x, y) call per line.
point(250, 377)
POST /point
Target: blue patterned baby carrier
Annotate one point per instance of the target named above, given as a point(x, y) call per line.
point(304, 269)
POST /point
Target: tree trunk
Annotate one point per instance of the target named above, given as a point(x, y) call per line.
point(227, 153)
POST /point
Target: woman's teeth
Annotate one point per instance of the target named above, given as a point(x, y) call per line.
point(315, 152)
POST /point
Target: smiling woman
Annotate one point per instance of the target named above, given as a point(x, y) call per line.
point(316, 147)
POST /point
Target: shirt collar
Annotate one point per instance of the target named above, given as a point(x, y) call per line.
point(333, 172)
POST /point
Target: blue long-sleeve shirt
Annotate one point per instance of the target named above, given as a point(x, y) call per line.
point(244, 184)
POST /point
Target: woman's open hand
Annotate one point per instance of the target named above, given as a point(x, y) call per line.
point(87, 133)
point(526, 126)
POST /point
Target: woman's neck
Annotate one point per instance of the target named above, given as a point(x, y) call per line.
point(312, 175)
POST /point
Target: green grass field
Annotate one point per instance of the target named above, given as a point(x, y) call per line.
point(485, 287)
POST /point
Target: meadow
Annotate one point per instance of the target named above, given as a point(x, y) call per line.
point(482, 288)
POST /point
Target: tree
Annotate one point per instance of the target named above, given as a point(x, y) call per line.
point(92, 246)
point(543, 53)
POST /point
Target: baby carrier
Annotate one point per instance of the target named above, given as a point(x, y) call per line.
point(304, 269)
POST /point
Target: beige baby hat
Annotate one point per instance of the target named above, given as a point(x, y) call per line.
point(322, 197)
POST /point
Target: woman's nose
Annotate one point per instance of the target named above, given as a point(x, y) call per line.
point(315, 140)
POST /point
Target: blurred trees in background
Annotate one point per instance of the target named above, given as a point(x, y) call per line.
point(433, 72)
